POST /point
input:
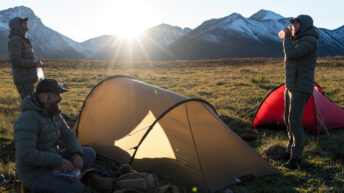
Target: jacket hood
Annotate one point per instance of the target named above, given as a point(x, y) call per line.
point(15, 28)
point(31, 103)
point(306, 27)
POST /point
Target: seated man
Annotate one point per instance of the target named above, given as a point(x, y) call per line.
point(37, 133)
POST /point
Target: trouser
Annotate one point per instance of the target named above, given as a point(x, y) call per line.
point(294, 103)
point(51, 183)
point(25, 88)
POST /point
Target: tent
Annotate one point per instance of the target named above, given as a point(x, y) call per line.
point(320, 113)
point(159, 131)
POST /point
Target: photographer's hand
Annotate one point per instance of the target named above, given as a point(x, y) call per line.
point(287, 31)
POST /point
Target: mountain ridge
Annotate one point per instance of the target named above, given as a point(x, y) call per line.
point(230, 36)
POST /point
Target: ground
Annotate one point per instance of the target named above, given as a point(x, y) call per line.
point(235, 87)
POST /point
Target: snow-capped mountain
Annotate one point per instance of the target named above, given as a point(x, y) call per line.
point(266, 15)
point(152, 44)
point(251, 28)
point(231, 36)
point(47, 43)
point(166, 34)
point(256, 36)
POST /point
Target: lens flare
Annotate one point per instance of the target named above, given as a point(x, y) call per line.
point(194, 189)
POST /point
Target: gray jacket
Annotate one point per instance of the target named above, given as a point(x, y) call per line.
point(36, 135)
point(21, 54)
point(300, 54)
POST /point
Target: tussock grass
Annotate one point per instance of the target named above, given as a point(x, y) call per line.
point(235, 87)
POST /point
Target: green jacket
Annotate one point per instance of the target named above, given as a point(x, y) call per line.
point(300, 54)
point(36, 136)
point(21, 54)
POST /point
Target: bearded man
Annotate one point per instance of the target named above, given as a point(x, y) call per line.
point(37, 132)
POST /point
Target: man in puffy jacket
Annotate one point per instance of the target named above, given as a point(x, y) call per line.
point(37, 132)
point(22, 57)
point(300, 53)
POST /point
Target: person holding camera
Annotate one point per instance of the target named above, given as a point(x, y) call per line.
point(22, 57)
point(300, 46)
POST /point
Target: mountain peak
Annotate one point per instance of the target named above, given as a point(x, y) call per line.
point(22, 11)
point(18, 11)
point(340, 28)
point(232, 17)
point(168, 27)
point(266, 15)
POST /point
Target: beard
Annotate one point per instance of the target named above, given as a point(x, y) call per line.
point(53, 108)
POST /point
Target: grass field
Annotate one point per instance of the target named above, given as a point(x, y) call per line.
point(235, 87)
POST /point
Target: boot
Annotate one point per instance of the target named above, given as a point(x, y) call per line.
point(293, 164)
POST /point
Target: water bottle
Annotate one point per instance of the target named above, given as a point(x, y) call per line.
point(40, 73)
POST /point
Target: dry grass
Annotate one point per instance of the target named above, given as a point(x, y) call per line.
point(235, 87)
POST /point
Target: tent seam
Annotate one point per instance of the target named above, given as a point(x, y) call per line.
point(193, 139)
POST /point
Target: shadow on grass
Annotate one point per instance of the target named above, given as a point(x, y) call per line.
point(328, 146)
point(312, 178)
point(269, 184)
point(240, 128)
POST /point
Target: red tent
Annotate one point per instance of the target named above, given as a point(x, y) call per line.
point(320, 112)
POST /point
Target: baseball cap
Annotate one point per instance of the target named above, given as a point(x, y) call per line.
point(293, 20)
point(50, 86)
point(24, 19)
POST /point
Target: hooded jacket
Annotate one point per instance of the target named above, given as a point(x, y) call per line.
point(300, 54)
point(36, 136)
point(21, 54)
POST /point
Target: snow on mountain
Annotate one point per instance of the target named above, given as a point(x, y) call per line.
point(250, 28)
point(329, 44)
point(256, 36)
point(266, 15)
point(21, 11)
point(77, 46)
point(166, 34)
point(231, 36)
point(46, 42)
point(239, 24)
point(101, 42)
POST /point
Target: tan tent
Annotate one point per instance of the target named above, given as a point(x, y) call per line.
point(162, 132)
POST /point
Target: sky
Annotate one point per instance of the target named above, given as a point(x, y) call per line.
point(85, 19)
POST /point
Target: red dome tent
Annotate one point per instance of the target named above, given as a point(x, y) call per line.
point(320, 113)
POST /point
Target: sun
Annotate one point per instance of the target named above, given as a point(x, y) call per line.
point(129, 18)
point(131, 33)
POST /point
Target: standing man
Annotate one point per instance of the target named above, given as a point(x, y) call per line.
point(37, 132)
point(22, 57)
point(300, 48)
